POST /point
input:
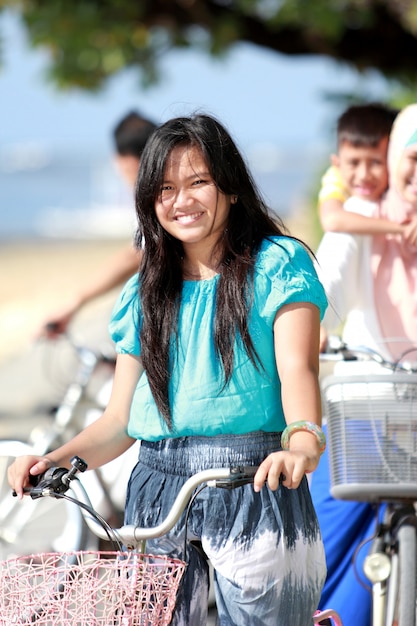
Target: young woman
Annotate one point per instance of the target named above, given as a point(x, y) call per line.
point(217, 341)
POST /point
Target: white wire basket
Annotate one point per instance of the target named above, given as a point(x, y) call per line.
point(89, 588)
point(372, 436)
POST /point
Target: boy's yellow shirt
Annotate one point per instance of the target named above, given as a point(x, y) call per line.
point(332, 186)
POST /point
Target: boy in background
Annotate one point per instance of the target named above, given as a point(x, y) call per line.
point(359, 168)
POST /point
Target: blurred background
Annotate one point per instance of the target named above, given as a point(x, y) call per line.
point(277, 74)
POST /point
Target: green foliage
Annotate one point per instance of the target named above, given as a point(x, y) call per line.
point(320, 18)
point(87, 41)
point(91, 40)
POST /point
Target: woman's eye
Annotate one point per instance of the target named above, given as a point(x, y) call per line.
point(166, 193)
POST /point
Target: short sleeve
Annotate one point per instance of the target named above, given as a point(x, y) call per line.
point(286, 274)
point(332, 186)
point(124, 326)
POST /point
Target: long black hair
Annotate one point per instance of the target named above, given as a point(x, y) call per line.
point(161, 272)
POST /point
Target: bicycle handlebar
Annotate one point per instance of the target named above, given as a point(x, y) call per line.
point(338, 350)
point(88, 356)
point(56, 481)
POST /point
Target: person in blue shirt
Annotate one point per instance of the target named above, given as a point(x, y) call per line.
point(218, 357)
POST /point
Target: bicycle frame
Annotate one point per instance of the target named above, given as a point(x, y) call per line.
point(106, 484)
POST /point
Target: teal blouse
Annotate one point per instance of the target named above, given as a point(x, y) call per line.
point(200, 405)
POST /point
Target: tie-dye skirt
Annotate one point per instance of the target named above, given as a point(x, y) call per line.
point(265, 548)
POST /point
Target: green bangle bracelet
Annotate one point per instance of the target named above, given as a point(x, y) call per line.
point(309, 427)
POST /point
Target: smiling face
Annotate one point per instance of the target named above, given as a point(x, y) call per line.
point(363, 169)
point(406, 175)
point(190, 207)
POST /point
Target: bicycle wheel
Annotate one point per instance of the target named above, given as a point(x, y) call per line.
point(32, 526)
point(407, 587)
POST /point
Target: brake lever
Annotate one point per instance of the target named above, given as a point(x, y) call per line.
point(52, 482)
point(46, 483)
point(55, 481)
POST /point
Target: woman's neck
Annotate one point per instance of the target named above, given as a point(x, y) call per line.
point(198, 270)
point(200, 266)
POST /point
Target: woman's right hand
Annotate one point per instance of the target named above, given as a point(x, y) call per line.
point(22, 468)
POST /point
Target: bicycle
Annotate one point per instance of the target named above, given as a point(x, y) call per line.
point(123, 587)
point(22, 527)
point(379, 411)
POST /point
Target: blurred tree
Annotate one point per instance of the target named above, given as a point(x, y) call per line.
point(90, 40)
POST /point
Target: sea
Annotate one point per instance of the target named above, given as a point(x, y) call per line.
point(79, 194)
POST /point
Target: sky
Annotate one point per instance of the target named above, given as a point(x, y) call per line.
point(264, 98)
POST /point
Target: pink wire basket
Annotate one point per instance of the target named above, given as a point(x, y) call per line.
point(89, 588)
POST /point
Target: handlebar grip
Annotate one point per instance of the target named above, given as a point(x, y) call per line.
point(55, 480)
point(51, 479)
point(33, 481)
